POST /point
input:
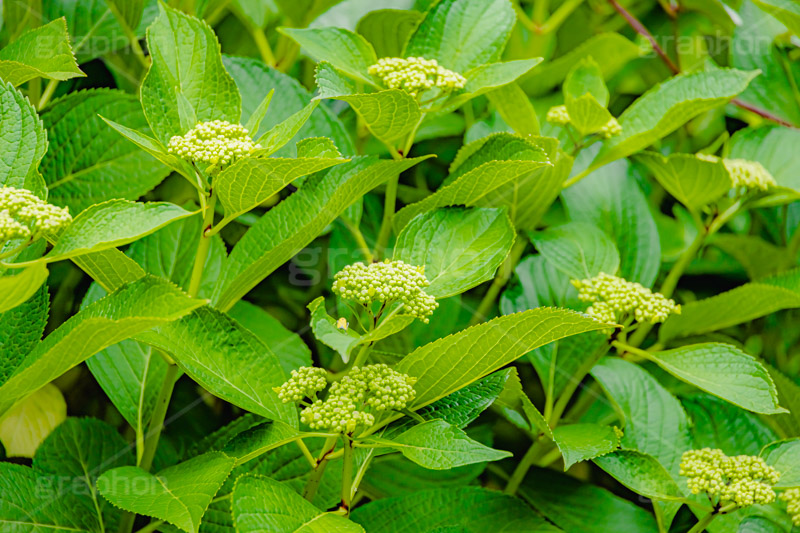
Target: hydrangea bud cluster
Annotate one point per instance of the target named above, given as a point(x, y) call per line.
point(216, 143)
point(613, 297)
point(742, 479)
point(388, 282)
point(792, 499)
point(370, 388)
point(744, 173)
point(558, 115)
point(305, 382)
point(611, 128)
point(23, 215)
point(416, 74)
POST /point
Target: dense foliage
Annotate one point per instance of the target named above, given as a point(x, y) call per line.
point(399, 266)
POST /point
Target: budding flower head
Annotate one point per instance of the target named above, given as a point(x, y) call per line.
point(352, 400)
point(742, 479)
point(613, 297)
point(416, 74)
point(387, 282)
point(305, 382)
point(23, 215)
point(558, 115)
point(216, 143)
point(612, 128)
point(792, 499)
point(744, 173)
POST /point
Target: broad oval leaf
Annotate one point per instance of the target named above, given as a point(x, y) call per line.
point(459, 248)
point(694, 182)
point(29, 423)
point(388, 30)
point(344, 49)
point(390, 115)
point(581, 442)
point(641, 473)
point(23, 142)
point(784, 456)
point(43, 52)
point(578, 249)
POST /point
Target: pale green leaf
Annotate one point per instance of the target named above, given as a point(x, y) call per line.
point(667, 106)
point(437, 445)
point(344, 49)
point(446, 365)
point(459, 248)
point(578, 249)
point(18, 288)
point(587, 115)
point(24, 140)
point(249, 182)
point(694, 182)
point(720, 424)
point(786, 11)
point(737, 306)
point(462, 34)
point(788, 424)
point(641, 473)
point(186, 60)
point(724, 371)
point(516, 109)
point(581, 442)
point(226, 359)
point(586, 77)
point(390, 115)
point(773, 147)
point(518, 408)
point(262, 505)
point(271, 242)
point(128, 12)
point(304, 11)
point(87, 162)
point(784, 456)
point(283, 132)
point(388, 30)
point(28, 424)
point(332, 82)
point(179, 494)
point(43, 52)
point(466, 509)
point(111, 224)
point(133, 308)
point(258, 440)
point(318, 147)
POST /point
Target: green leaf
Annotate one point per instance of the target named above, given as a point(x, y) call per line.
point(786, 11)
point(128, 12)
point(87, 163)
point(226, 359)
point(248, 182)
point(332, 82)
point(344, 49)
point(494, 75)
point(291, 349)
point(641, 473)
point(515, 405)
point(463, 34)
point(786, 425)
point(21, 330)
point(304, 11)
point(614, 51)
point(390, 115)
point(43, 52)
point(263, 504)
point(17, 289)
point(81, 449)
point(478, 177)
point(437, 445)
point(668, 106)
point(253, 77)
point(258, 440)
point(737, 306)
point(719, 424)
point(694, 182)
point(578, 249)
point(133, 308)
point(271, 242)
point(179, 494)
point(784, 456)
point(655, 422)
point(587, 115)
point(459, 248)
point(186, 64)
point(448, 364)
point(581, 442)
point(111, 224)
point(612, 200)
point(317, 147)
point(33, 503)
point(586, 77)
point(28, 424)
point(467, 509)
point(388, 30)
point(578, 507)
point(724, 371)
point(23, 142)
point(515, 108)
point(284, 131)
point(772, 147)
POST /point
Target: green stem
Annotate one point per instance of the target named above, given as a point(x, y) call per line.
point(158, 416)
point(501, 278)
point(347, 475)
point(522, 468)
point(202, 247)
point(701, 526)
point(388, 215)
point(573, 384)
point(313, 482)
point(152, 526)
point(306, 453)
point(47, 94)
point(362, 355)
point(260, 38)
point(559, 16)
point(355, 231)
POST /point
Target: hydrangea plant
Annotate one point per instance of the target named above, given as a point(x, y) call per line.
point(399, 267)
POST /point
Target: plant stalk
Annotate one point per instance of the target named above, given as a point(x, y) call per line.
point(310, 490)
point(347, 475)
point(501, 278)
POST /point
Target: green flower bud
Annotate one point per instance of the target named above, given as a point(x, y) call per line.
point(744, 173)
point(416, 74)
point(23, 215)
point(612, 297)
point(217, 143)
point(388, 282)
point(611, 129)
point(305, 382)
point(558, 115)
point(792, 499)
